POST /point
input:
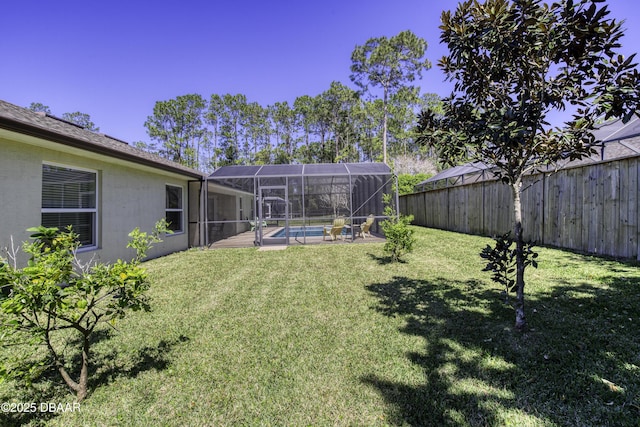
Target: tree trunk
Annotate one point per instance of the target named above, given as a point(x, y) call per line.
point(384, 127)
point(80, 387)
point(521, 322)
point(83, 382)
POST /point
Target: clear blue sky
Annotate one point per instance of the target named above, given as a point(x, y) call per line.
point(114, 59)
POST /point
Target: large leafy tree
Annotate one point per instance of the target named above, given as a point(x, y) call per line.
point(370, 129)
point(403, 108)
point(178, 125)
point(231, 129)
point(513, 64)
point(389, 64)
point(214, 118)
point(257, 131)
point(339, 102)
point(303, 108)
point(284, 124)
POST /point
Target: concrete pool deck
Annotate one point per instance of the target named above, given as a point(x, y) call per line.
point(246, 239)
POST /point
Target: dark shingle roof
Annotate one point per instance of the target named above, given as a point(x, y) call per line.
point(47, 127)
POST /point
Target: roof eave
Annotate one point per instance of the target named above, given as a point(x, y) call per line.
point(38, 132)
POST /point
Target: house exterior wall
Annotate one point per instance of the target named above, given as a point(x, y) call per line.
point(129, 195)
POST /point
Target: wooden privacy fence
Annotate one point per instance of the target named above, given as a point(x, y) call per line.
point(592, 208)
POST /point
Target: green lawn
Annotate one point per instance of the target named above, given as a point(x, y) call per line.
point(326, 335)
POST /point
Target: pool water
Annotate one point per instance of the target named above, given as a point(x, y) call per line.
point(311, 231)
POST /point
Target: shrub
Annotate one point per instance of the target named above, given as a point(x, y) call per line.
point(501, 261)
point(55, 293)
point(399, 236)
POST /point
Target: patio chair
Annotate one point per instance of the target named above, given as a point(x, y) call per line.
point(364, 227)
point(253, 224)
point(333, 230)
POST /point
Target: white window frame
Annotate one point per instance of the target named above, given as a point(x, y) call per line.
point(94, 211)
point(181, 209)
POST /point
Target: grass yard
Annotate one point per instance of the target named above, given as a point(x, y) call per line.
point(333, 335)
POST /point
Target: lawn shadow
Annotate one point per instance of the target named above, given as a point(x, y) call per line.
point(382, 260)
point(105, 367)
point(109, 366)
point(479, 371)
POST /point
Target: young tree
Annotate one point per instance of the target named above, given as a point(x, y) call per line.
point(390, 64)
point(55, 293)
point(513, 63)
point(178, 125)
point(399, 236)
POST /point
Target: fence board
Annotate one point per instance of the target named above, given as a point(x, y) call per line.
point(533, 187)
point(611, 210)
point(621, 242)
point(633, 225)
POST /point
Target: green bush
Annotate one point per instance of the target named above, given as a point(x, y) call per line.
point(407, 182)
point(501, 261)
point(399, 237)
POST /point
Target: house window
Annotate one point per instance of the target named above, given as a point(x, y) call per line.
point(173, 211)
point(69, 197)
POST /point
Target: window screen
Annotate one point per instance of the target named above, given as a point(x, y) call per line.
point(69, 197)
point(174, 209)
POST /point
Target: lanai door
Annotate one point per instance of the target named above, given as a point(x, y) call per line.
point(273, 211)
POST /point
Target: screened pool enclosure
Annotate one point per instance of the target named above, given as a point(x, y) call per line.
point(283, 204)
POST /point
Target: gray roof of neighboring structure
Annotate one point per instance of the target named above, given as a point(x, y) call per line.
point(457, 171)
point(618, 140)
point(616, 130)
point(51, 128)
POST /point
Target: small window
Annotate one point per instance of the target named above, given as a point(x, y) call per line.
point(173, 211)
point(69, 197)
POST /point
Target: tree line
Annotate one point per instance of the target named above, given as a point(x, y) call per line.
point(341, 124)
point(337, 125)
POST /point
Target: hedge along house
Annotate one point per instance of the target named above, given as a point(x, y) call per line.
point(283, 204)
point(56, 173)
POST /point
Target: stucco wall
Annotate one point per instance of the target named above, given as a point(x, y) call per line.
point(129, 195)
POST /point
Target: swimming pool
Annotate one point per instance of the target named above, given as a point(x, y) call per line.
point(309, 231)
